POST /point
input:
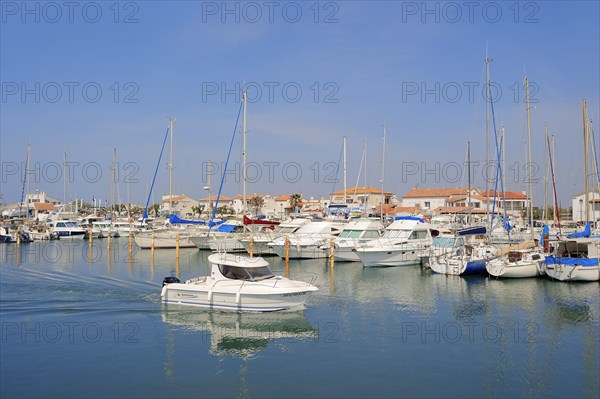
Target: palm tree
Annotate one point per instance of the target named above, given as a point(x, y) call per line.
point(198, 209)
point(296, 201)
point(257, 203)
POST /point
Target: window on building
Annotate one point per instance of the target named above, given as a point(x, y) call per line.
point(427, 204)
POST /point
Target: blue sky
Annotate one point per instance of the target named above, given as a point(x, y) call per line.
point(413, 65)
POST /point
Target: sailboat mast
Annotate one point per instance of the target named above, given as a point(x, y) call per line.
point(529, 156)
point(171, 120)
point(65, 179)
point(551, 150)
point(487, 133)
point(27, 180)
point(383, 171)
point(469, 178)
point(345, 184)
point(208, 181)
point(114, 181)
point(503, 139)
point(546, 177)
point(585, 160)
point(366, 199)
point(244, 156)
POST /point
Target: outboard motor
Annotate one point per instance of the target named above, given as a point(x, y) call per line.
point(170, 280)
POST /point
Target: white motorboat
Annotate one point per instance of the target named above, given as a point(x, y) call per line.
point(8, 235)
point(527, 261)
point(104, 228)
point(306, 242)
point(238, 283)
point(261, 240)
point(126, 227)
point(575, 260)
point(66, 228)
point(355, 233)
point(402, 243)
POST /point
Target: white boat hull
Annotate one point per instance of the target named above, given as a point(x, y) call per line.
point(259, 247)
point(162, 242)
point(230, 244)
point(311, 251)
point(201, 242)
point(376, 257)
point(233, 298)
point(573, 273)
point(520, 269)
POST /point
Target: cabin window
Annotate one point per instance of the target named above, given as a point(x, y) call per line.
point(60, 225)
point(248, 274)
point(418, 235)
point(371, 234)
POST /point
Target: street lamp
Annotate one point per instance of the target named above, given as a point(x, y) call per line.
point(580, 209)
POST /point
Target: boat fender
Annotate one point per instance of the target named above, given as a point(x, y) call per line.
point(170, 280)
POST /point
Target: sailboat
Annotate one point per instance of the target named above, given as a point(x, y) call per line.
point(576, 258)
point(176, 235)
point(527, 261)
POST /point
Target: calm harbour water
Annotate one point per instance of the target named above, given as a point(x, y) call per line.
point(88, 323)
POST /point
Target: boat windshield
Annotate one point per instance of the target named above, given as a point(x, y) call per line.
point(351, 233)
point(286, 230)
point(396, 234)
point(446, 242)
point(248, 274)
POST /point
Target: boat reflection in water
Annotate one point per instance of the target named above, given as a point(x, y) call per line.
point(237, 333)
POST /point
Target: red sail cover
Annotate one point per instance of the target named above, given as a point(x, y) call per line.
point(247, 220)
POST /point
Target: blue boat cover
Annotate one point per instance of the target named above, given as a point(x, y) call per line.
point(555, 260)
point(472, 230)
point(582, 234)
point(409, 218)
point(226, 228)
point(174, 219)
point(213, 224)
point(545, 231)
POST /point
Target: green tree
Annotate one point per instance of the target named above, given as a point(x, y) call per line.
point(295, 201)
point(198, 209)
point(256, 203)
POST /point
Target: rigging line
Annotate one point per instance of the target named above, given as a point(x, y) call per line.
point(362, 159)
point(145, 216)
point(211, 224)
point(25, 176)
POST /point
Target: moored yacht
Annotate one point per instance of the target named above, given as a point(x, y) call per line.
point(525, 261)
point(238, 283)
point(355, 233)
point(261, 240)
point(66, 228)
point(306, 242)
point(575, 260)
point(401, 244)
